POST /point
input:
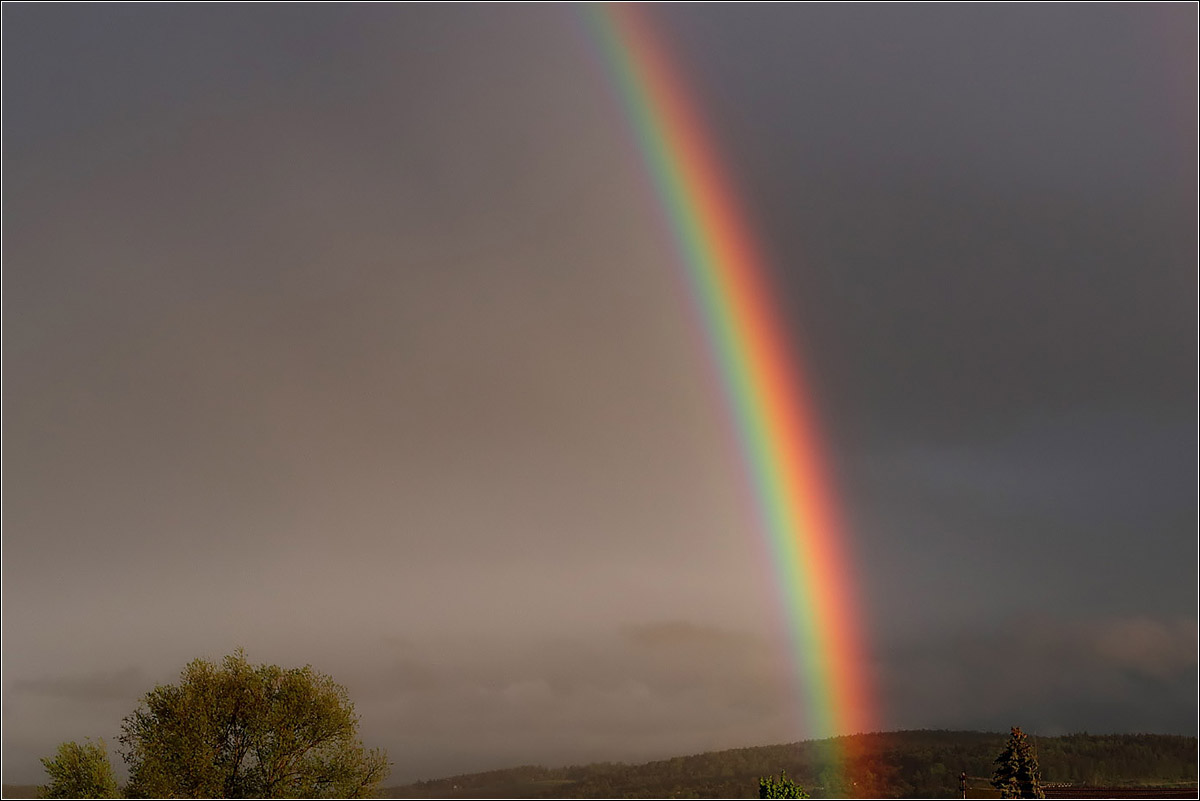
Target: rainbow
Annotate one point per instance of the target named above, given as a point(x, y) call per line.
point(772, 410)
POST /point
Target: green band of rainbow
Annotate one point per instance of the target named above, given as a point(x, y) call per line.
point(773, 413)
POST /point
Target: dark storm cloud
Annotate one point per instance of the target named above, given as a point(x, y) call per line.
point(981, 225)
point(978, 213)
point(963, 316)
point(1026, 96)
point(1050, 676)
point(1066, 513)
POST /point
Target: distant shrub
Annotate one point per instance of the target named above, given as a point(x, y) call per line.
point(783, 787)
point(80, 771)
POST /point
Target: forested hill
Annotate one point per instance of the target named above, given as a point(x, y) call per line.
point(895, 764)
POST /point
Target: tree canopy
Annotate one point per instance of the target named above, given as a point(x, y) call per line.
point(80, 771)
point(242, 730)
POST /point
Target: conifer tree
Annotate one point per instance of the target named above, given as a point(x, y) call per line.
point(1017, 774)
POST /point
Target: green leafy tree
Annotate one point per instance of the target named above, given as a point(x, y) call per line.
point(1017, 774)
point(239, 730)
point(783, 787)
point(80, 771)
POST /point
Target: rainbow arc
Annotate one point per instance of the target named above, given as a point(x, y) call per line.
point(762, 376)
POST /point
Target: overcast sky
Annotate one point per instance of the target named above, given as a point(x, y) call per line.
point(351, 336)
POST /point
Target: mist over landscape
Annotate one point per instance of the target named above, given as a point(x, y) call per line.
point(354, 337)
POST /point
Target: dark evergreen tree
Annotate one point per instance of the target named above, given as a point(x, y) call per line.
point(1017, 774)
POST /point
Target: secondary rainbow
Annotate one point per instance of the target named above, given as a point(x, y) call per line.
point(763, 379)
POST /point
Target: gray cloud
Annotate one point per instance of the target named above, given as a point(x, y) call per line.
point(42, 711)
point(1153, 649)
point(86, 689)
point(650, 688)
point(687, 636)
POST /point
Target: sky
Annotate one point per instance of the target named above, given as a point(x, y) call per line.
point(354, 337)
